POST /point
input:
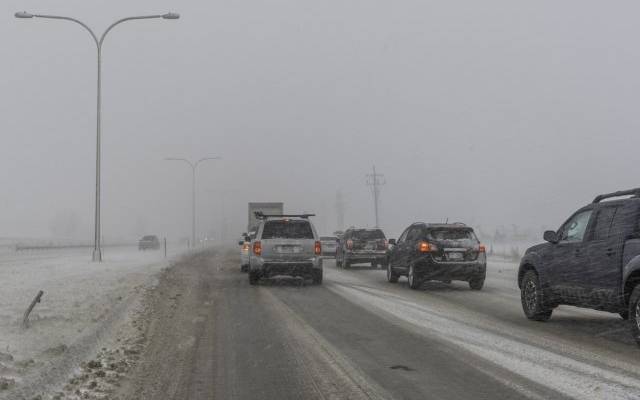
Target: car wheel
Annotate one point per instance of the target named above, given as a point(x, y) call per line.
point(531, 297)
point(414, 280)
point(476, 283)
point(374, 264)
point(392, 277)
point(254, 277)
point(317, 276)
point(634, 313)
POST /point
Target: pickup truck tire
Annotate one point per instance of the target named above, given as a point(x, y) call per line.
point(392, 276)
point(634, 313)
point(254, 277)
point(532, 299)
point(414, 280)
point(317, 276)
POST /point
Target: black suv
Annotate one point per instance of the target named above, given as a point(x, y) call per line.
point(442, 252)
point(592, 261)
point(361, 246)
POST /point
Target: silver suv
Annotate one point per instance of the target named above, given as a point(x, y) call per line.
point(285, 245)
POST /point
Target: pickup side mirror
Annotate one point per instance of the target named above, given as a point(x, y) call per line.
point(392, 242)
point(551, 237)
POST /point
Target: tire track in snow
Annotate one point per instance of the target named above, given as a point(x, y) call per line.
point(571, 377)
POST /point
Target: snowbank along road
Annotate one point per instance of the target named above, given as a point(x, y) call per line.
point(211, 335)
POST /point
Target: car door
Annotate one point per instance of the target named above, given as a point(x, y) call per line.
point(396, 253)
point(567, 258)
point(603, 273)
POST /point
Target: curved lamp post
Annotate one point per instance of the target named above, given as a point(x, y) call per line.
point(97, 248)
point(193, 166)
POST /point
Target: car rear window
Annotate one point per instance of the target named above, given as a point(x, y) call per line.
point(287, 229)
point(452, 234)
point(367, 234)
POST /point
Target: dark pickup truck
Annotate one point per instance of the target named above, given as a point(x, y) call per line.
point(592, 261)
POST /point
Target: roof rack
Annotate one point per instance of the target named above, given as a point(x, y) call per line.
point(261, 215)
point(633, 192)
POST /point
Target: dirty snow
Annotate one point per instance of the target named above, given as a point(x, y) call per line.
point(82, 310)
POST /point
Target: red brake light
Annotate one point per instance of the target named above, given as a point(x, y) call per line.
point(245, 247)
point(424, 247)
point(318, 248)
point(349, 244)
point(482, 249)
point(257, 248)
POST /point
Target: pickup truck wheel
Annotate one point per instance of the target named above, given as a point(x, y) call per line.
point(392, 277)
point(634, 313)
point(414, 280)
point(317, 276)
point(254, 277)
point(532, 298)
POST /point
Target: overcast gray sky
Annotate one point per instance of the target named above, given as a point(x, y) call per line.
point(491, 112)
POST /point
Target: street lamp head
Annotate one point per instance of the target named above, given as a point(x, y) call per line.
point(171, 15)
point(23, 14)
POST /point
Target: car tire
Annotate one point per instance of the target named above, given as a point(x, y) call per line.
point(317, 276)
point(392, 276)
point(532, 299)
point(374, 265)
point(476, 283)
point(414, 281)
point(634, 313)
point(254, 277)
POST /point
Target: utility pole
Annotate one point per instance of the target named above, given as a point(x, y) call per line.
point(340, 210)
point(375, 180)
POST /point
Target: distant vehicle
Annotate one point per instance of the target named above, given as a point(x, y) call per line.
point(441, 252)
point(592, 261)
point(245, 247)
point(285, 245)
point(264, 208)
point(149, 242)
point(329, 246)
point(359, 246)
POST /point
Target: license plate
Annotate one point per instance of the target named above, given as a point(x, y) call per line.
point(288, 249)
point(455, 256)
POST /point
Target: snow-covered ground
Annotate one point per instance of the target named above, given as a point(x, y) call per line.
point(83, 308)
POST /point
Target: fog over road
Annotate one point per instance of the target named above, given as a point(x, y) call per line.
point(212, 335)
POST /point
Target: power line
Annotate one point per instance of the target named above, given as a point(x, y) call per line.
point(375, 180)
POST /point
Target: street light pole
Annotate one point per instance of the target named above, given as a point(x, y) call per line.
point(97, 248)
point(194, 166)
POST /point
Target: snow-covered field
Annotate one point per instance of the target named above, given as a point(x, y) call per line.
point(83, 309)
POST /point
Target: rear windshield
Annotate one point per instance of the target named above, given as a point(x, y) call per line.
point(368, 234)
point(452, 234)
point(287, 230)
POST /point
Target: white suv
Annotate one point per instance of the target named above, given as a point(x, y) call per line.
point(285, 245)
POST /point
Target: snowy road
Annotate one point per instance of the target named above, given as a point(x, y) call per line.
point(211, 335)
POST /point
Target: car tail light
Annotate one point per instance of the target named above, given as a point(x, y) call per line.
point(482, 249)
point(349, 244)
point(318, 248)
point(424, 247)
point(257, 248)
point(245, 247)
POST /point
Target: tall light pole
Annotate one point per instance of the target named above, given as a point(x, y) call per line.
point(375, 180)
point(97, 248)
point(193, 166)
